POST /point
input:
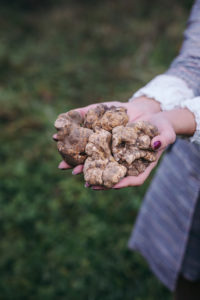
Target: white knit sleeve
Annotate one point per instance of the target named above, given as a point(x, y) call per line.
point(194, 106)
point(169, 90)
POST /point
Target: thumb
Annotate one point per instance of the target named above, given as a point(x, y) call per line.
point(165, 138)
point(83, 110)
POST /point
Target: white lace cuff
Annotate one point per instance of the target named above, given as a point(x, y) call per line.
point(169, 90)
point(194, 106)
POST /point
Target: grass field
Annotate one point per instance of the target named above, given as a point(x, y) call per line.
point(60, 240)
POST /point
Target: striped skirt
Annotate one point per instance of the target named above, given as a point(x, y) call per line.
point(167, 230)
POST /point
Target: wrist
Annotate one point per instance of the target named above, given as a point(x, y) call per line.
point(168, 90)
point(182, 121)
point(151, 104)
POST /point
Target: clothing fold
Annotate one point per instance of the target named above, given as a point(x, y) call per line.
point(163, 226)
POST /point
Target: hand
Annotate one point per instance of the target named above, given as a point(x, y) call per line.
point(169, 123)
point(140, 107)
point(167, 136)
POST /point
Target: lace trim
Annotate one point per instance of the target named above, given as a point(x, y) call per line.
point(169, 90)
point(194, 106)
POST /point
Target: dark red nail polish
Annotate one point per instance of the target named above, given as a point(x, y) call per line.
point(156, 145)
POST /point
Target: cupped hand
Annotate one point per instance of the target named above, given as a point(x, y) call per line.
point(159, 143)
point(141, 107)
point(166, 137)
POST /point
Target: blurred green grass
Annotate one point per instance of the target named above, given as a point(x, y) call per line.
point(58, 239)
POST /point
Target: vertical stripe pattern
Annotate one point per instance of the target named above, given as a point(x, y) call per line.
point(161, 232)
point(187, 64)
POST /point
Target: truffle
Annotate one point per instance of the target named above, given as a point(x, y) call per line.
point(106, 117)
point(131, 146)
point(109, 147)
point(72, 138)
point(100, 168)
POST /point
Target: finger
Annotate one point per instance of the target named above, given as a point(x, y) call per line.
point(63, 165)
point(98, 188)
point(165, 138)
point(141, 117)
point(128, 181)
point(55, 137)
point(77, 170)
point(83, 110)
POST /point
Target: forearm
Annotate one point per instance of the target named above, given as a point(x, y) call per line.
point(182, 121)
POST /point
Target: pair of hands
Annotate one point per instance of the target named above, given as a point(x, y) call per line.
point(140, 109)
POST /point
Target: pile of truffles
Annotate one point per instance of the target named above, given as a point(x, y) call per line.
point(109, 147)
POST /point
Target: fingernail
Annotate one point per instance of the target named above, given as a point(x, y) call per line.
point(74, 172)
point(156, 145)
point(87, 185)
point(60, 166)
point(54, 137)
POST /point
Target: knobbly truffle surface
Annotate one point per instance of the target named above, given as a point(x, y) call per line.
point(109, 147)
point(105, 117)
point(72, 138)
point(100, 168)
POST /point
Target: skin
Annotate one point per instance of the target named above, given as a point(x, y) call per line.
point(178, 121)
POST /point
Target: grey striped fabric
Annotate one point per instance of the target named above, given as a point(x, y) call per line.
point(191, 262)
point(162, 228)
point(167, 230)
point(187, 64)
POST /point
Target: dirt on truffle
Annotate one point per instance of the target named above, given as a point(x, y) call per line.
point(105, 117)
point(72, 137)
point(100, 167)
